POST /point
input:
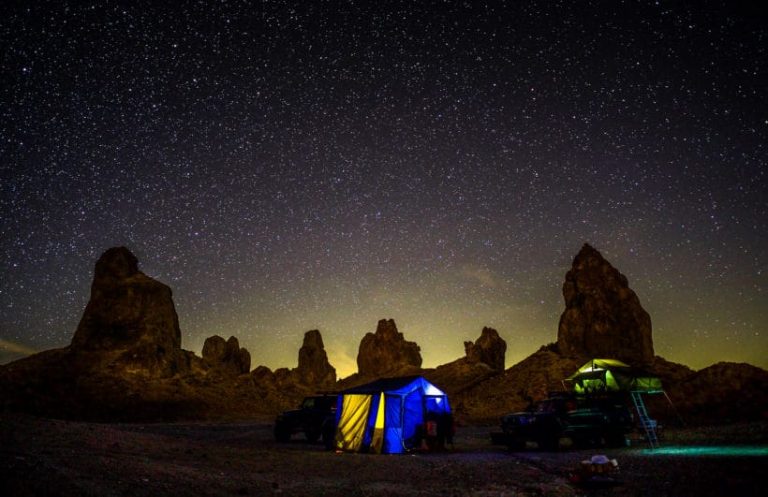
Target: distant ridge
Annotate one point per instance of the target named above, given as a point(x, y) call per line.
point(126, 362)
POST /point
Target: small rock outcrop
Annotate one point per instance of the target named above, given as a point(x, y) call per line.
point(226, 356)
point(386, 352)
point(489, 349)
point(132, 317)
point(314, 368)
point(484, 359)
point(603, 316)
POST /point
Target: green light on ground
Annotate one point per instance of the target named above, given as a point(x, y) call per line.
point(710, 450)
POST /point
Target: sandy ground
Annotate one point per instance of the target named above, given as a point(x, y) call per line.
point(40, 457)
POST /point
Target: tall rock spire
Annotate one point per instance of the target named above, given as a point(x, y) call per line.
point(603, 316)
point(314, 368)
point(132, 315)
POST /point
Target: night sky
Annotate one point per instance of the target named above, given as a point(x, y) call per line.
point(329, 164)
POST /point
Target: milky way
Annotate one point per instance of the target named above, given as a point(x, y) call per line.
point(325, 165)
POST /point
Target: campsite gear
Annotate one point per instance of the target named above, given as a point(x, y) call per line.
point(611, 375)
point(646, 423)
point(431, 428)
point(596, 471)
point(389, 415)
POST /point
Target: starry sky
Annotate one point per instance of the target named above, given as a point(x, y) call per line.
point(323, 165)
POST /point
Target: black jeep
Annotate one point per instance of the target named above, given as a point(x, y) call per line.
point(316, 417)
point(585, 420)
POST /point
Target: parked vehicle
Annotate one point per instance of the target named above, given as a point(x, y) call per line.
point(315, 417)
point(585, 420)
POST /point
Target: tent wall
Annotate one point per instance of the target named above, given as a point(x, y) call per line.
point(393, 425)
point(413, 415)
point(353, 420)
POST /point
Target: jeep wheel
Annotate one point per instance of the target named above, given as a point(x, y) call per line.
point(580, 441)
point(329, 434)
point(515, 443)
point(312, 434)
point(614, 439)
point(282, 433)
point(549, 442)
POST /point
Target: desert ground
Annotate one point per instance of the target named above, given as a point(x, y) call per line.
point(43, 457)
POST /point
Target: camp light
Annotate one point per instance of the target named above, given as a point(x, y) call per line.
point(709, 451)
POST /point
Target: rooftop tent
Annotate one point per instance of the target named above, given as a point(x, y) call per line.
point(384, 416)
point(612, 375)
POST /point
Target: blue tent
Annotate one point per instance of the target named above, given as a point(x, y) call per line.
point(386, 416)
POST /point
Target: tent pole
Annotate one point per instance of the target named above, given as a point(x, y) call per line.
point(674, 409)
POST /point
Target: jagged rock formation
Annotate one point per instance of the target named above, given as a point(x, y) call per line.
point(603, 316)
point(132, 317)
point(126, 362)
point(488, 349)
point(314, 368)
point(226, 356)
point(314, 372)
point(386, 352)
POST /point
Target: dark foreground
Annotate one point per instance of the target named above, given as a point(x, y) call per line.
point(40, 457)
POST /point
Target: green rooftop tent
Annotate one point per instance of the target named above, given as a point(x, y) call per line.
point(385, 416)
point(612, 375)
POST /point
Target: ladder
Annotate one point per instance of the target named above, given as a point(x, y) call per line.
point(648, 424)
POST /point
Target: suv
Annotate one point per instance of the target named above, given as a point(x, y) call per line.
point(585, 420)
point(316, 417)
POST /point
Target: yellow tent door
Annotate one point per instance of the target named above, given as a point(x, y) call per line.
point(378, 428)
point(354, 416)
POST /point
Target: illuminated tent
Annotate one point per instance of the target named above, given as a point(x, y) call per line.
point(612, 375)
point(384, 416)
